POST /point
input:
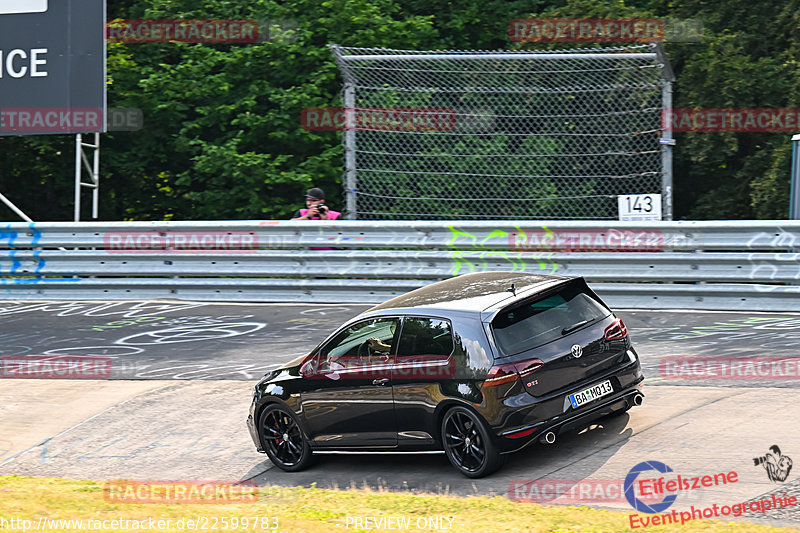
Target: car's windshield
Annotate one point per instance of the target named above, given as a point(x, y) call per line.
point(536, 322)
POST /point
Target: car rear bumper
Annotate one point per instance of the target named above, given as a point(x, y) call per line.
point(554, 413)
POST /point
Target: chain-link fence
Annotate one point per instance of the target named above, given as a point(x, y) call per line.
point(554, 134)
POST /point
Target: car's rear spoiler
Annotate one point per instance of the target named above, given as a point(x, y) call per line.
point(535, 293)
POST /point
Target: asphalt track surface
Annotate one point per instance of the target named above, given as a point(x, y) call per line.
point(182, 375)
point(196, 341)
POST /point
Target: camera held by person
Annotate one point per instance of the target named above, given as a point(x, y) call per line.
point(315, 207)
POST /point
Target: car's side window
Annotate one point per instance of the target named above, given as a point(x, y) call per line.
point(360, 344)
point(425, 336)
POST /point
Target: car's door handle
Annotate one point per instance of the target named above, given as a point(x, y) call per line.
point(383, 381)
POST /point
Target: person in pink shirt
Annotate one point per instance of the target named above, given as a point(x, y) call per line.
point(315, 207)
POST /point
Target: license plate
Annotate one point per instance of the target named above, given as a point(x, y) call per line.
point(592, 393)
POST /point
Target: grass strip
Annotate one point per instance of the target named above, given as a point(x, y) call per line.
point(296, 509)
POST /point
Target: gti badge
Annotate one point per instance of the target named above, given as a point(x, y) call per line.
point(576, 350)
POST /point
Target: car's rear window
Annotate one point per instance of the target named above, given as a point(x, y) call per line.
point(533, 323)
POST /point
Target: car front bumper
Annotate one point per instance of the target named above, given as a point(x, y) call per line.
point(251, 427)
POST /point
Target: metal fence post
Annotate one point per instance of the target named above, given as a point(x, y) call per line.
point(350, 183)
point(794, 195)
point(667, 142)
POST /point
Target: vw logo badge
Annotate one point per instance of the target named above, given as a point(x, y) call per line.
point(576, 350)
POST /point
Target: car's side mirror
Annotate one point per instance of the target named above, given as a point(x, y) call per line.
point(311, 367)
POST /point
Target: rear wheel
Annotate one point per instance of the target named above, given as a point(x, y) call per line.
point(467, 443)
point(283, 440)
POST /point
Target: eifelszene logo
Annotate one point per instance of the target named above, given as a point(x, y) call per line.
point(630, 494)
point(670, 486)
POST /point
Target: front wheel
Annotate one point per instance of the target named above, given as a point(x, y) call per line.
point(467, 443)
point(283, 440)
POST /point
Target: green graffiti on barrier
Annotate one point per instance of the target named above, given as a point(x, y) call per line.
point(518, 260)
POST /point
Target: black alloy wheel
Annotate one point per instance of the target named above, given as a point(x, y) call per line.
point(467, 443)
point(283, 440)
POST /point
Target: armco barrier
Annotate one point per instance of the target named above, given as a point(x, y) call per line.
point(726, 265)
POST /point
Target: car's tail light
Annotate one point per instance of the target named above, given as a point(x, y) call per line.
point(525, 368)
point(510, 372)
point(500, 374)
point(616, 331)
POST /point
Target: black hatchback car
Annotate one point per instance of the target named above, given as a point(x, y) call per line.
point(479, 366)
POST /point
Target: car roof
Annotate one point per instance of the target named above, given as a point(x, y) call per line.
point(475, 293)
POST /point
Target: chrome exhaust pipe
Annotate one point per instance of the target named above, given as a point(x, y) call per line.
point(548, 438)
point(638, 399)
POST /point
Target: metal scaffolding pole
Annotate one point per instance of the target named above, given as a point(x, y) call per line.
point(14, 208)
point(93, 168)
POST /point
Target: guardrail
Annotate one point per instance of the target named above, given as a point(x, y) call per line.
point(748, 265)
